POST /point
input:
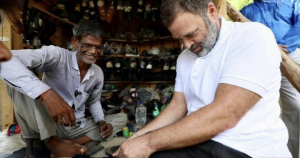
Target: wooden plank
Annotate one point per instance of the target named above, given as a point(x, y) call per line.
point(222, 8)
point(43, 7)
point(16, 41)
point(6, 110)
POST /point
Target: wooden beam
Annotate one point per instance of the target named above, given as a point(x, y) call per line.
point(235, 15)
point(222, 8)
point(6, 110)
point(289, 68)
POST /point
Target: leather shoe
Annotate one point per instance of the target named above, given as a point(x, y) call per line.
point(102, 9)
point(127, 9)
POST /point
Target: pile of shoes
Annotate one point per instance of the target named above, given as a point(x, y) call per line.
point(133, 69)
point(38, 29)
point(128, 9)
point(75, 11)
point(126, 100)
point(116, 49)
point(144, 34)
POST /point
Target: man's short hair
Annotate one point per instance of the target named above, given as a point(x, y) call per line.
point(88, 28)
point(171, 8)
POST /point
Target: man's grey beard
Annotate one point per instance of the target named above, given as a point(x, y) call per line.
point(210, 39)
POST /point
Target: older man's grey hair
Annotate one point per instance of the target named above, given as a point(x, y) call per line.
point(88, 28)
point(171, 8)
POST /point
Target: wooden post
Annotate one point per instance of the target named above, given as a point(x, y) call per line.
point(221, 6)
point(289, 68)
point(6, 112)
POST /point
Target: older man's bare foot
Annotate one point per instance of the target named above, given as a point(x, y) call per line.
point(60, 148)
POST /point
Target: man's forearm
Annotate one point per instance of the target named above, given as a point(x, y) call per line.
point(198, 127)
point(230, 105)
point(169, 115)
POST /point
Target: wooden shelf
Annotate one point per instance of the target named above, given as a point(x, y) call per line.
point(103, 57)
point(147, 40)
point(43, 7)
point(144, 82)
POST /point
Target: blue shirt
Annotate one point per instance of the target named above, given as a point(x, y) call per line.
point(61, 73)
point(281, 16)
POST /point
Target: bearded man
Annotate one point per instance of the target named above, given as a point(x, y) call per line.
point(226, 97)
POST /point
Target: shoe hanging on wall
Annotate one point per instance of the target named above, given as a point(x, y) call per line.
point(147, 9)
point(155, 10)
point(120, 9)
point(102, 9)
point(139, 9)
point(92, 9)
point(127, 9)
point(111, 11)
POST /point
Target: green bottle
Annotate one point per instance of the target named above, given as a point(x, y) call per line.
point(163, 107)
point(155, 111)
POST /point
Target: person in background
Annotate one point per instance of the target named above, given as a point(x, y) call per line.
point(225, 102)
point(55, 109)
point(283, 18)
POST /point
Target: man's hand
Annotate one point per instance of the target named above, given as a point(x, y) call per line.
point(105, 129)
point(116, 153)
point(58, 109)
point(135, 148)
point(283, 48)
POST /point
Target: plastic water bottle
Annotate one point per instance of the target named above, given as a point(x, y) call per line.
point(141, 114)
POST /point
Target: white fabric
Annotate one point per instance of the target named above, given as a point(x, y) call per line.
point(245, 55)
point(290, 99)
